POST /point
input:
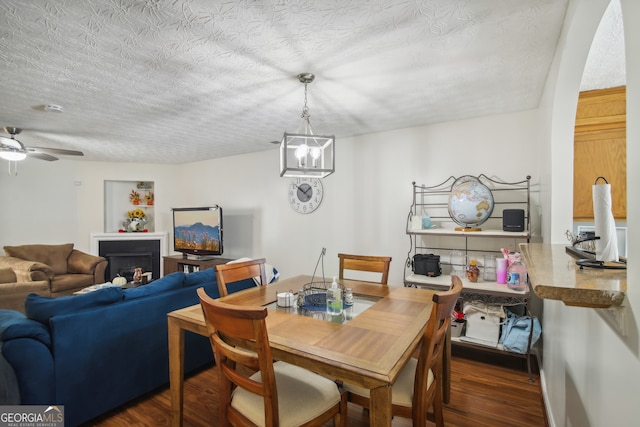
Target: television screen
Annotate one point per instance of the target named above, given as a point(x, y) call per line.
point(198, 231)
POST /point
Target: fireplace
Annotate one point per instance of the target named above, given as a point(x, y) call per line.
point(124, 264)
point(125, 256)
point(127, 251)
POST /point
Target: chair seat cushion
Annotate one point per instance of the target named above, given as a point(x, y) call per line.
point(302, 395)
point(402, 391)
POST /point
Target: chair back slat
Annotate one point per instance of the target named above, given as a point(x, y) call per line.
point(233, 329)
point(430, 356)
point(374, 264)
point(236, 271)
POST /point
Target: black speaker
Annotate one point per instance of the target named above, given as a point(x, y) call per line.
point(513, 220)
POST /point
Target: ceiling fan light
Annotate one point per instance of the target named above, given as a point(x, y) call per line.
point(11, 144)
point(11, 149)
point(12, 155)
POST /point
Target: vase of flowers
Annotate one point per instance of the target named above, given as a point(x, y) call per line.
point(135, 221)
point(134, 197)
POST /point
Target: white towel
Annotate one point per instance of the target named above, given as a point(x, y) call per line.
point(607, 245)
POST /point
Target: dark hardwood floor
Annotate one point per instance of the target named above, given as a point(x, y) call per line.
point(482, 394)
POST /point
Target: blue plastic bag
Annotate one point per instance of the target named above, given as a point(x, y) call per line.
point(515, 332)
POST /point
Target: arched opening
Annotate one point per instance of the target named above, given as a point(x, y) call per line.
point(600, 128)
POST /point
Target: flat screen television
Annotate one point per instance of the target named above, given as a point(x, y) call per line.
point(198, 231)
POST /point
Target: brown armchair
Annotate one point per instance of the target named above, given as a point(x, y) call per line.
point(64, 269)
point(13, 292)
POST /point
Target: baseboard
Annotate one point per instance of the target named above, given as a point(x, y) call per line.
point(545, 397)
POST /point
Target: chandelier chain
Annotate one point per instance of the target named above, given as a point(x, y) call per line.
point(305, 110)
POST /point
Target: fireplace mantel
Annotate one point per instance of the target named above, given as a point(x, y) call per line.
point(96, 238)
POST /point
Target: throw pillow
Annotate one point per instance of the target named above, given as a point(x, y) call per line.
point(270, 271)
point(43, 308)
point(55, 256)
point(166, 283)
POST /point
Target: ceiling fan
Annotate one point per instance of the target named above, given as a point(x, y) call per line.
point(14, 150)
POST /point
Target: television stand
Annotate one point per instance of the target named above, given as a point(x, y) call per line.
point(174, 263)
point(199, 257)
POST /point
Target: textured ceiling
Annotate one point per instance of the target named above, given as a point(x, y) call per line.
point(605, 65)
point(175, 81)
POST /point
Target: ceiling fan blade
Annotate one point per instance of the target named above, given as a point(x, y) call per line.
point(60, 151)
point(42, 156)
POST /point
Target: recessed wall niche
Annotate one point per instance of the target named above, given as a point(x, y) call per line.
point(128, 206)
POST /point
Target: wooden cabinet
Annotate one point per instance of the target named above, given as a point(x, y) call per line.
point(444, 240)
point(600, 149)
point(174, 263)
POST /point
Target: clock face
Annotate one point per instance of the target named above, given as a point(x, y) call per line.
point(305, 194)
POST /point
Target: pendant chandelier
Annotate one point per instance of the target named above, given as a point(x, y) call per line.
point(305, 154)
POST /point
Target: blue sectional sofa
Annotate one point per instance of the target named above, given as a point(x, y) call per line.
point(96, 351)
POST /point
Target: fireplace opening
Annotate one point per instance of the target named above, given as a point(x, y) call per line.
point(124, 256)
point(124, 264)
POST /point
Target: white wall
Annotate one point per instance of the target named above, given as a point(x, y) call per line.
point(590, 370)
point(367, 199)
point(91, 177)
point(63, 201)
point(39, 204)
point(366, 202)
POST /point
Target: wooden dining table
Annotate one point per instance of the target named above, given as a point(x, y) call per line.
point(369, 350)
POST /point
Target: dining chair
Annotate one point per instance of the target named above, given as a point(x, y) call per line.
point(236, 271)
point(419, 385)
point(256, 391)
point(376, 264)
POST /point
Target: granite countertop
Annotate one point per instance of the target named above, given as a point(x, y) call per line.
point(554, 275)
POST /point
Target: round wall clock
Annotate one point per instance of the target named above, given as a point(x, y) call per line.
point(305, 194)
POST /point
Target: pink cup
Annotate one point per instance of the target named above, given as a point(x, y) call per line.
point(501, 270)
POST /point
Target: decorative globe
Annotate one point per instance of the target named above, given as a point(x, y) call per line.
point(470, 202)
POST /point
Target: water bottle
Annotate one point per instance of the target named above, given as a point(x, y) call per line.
point(348, 296)
point(334, 299)
point(517, 274)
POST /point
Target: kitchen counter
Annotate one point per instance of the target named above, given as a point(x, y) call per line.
point(554, 275)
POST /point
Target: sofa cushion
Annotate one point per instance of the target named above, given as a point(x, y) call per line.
point(42, 308)
point(55, 256)
point(14, 325)
point(66, 284)
point(201, 278)
point(166, 283)
point(208, 276)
